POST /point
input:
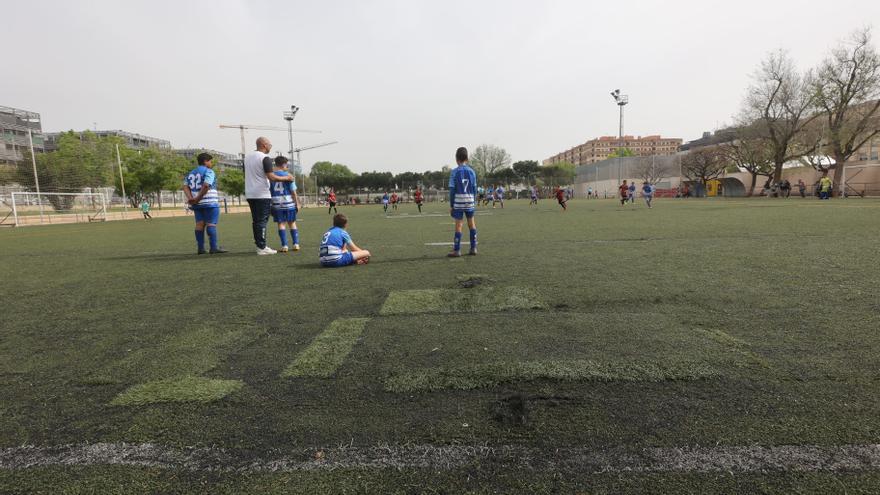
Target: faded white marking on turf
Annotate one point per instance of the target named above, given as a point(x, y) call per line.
point(741, 459)
point(439, 244)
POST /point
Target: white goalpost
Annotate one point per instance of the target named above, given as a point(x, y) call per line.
point(30, 208)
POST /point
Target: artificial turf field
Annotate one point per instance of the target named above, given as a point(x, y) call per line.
point(704, 346)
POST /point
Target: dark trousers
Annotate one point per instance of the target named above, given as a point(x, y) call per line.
point(260, 209)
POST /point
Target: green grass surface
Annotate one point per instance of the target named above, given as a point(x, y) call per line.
point(598, 319)
point(186, 389)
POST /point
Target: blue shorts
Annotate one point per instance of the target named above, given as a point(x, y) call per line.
point(345, 260)
point(459, 214)
point(209, 215)
point(284, 216)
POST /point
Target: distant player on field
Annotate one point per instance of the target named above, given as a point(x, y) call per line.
point(337, 248)
point(624, 192)
point(533, 192)
point(385, 201)
point(285, 205)
point(632, 192)
point(490, 196)
point(200, 188)
point(560, 197)
point(462, 192)
point(331, 201)
point(648, 193)
point(419, 199)
point(499, 197)
point(145, 209)
point(481, 195)
point(394, 200)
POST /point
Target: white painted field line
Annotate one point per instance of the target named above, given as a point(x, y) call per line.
point(439, 243)
point(742, 459)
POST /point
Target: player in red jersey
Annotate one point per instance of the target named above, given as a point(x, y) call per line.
point(331, 201)
point(560, 197)
point(419, 199)
point(394, 200)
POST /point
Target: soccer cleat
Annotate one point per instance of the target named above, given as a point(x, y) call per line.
point(201, 251)
point(266, 251)
point(283, 249)
point(454, 254)
point(296, 247)
point(473, 252)
point(218, 251)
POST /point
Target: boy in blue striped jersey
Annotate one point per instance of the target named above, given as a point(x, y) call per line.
point(337, 248)
point(462, 197)
point(200, 188)
point(285, 205)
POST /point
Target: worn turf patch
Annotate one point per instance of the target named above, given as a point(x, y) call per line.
point(477, 300)
point(189, 353)
point(743, 357)
point(329, 349)
point(492, 374)
point(186, 389)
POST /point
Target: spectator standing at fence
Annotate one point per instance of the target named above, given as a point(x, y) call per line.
point(786, 188)
point(802, 188)
point(258, 171)
point(145, 209)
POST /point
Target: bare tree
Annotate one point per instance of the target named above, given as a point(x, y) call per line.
point(779, 105)
point(703, 165)
point(488, 158)
point(847, 88)
point(749, 152)
point(652, 171)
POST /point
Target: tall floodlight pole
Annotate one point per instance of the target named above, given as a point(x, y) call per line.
point(36, 179)
point(289, 116)
point(122, 183)
point(622, 101)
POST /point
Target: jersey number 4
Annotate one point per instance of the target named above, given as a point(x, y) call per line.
point(279, 187)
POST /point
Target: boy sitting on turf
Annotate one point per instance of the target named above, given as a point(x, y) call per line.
point(337, 248)
point(462, 194)
point(285, 204)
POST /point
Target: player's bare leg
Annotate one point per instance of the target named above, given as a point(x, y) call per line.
point(361, 257)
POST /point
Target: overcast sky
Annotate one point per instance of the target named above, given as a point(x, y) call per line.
point(401, 84)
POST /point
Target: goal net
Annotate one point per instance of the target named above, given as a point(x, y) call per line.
point(29, 208)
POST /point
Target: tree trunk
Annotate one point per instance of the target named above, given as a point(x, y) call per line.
point(752, 188)
point(839, 187)
point(777, 172)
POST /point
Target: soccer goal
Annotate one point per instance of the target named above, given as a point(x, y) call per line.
point(29, 208)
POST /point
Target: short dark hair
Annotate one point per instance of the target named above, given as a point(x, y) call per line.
point(461, 155)
point(204, 158)
point(340, 220)
point(280, 160)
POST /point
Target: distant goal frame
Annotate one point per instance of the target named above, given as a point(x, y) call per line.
point(98, 213)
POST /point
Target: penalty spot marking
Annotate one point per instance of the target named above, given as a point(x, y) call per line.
point(718, 459)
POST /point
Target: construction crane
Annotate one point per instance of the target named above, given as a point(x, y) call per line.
point(245, 127)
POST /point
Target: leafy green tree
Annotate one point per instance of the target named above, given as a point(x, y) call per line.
point(334, 175)
point(82, 161)
point(150, 171)
point(232, 182)
point(526, 170)
point(561, 173)
point(622, 153)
